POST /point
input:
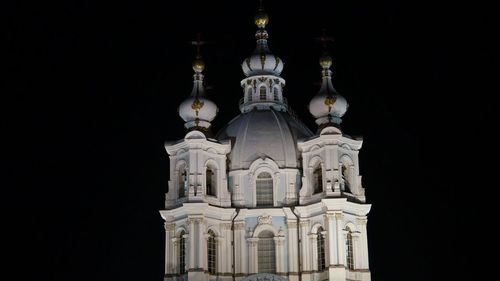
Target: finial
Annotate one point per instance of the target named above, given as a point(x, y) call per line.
point(325, 60)
point(198, 64)
point(261, 18)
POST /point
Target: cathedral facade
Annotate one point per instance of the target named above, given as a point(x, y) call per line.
point(265, 196)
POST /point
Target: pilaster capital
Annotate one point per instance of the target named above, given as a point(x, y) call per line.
point(169, 226)
point(252, 241)
point(278, 241)
point(303, 223)
point(225, 226)
point(239, 225)
point(362, 221)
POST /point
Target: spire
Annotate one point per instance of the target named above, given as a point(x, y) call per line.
point(327, 105)
point(197, 110)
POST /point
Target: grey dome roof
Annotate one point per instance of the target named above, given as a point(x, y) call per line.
point(264, 133)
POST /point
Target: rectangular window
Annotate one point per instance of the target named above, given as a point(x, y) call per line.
point(264, 191)
point(321, 252)
point(211, 249)
point(182, 255)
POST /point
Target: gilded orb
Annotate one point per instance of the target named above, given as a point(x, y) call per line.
point(198, 65)
point(261, 19)
point(325, 61)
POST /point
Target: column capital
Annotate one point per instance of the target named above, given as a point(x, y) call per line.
point(362, 221)
point(225, 226)
point(252, 241)
point(278, 241)
point(304, 222)
point(239, 225)
point(169, 226)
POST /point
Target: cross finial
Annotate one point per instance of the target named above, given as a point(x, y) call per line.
point(198, 43)
point(324, 39)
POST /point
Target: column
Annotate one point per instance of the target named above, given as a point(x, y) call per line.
point(252, 255)
point(220, 257)
point(202, 246)
point(313, 238)
point(280, 254)
point(175, 255)
point(227, 252)
point(331, 238)
point(293, 256)
point(356, 251)
point(192, 243)
point(305, 254)
point(363, 243)
point(339, 218)
point(239, 247)
point(203, 256)
point(169, 233)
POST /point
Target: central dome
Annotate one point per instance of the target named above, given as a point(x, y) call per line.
point(264, 133)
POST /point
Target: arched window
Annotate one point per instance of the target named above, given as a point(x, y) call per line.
point(212, 252)
point(182, 182)
point(345, 178)
point(182, 253)
point(321, 250)
point(275, 94)
point(249, 95)
point(266, 252)
point(211, 181)
point(318, 179)
point(264, 192)
point(262, 93)
point(349, 250)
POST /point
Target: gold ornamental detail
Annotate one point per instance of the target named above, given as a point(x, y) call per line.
point(329, 101)
point(197, 105)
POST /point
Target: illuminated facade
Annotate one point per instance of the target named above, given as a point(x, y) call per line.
point(265, 194)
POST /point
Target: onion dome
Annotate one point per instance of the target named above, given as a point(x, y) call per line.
point(197, 110)
point(262, 61)
point(327, 105)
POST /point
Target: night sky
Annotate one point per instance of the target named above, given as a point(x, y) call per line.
point(91, 96)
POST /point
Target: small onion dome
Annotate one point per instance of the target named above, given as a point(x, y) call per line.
point(327, 105)
point(262, 63)
point(197, 110)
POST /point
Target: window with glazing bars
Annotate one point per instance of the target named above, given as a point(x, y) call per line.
point(182, 254)
point(262, 93)
point(264, 192)
point(182, 183)
point(275, 94)
point(321, 250)
point(266, 253)
point(318, 179)
point(212, 253)
point(210, 182)
point(349, 251)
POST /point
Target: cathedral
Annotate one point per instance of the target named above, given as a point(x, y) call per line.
point(265, 198)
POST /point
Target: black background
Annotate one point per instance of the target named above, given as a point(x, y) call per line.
point(91, 94)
